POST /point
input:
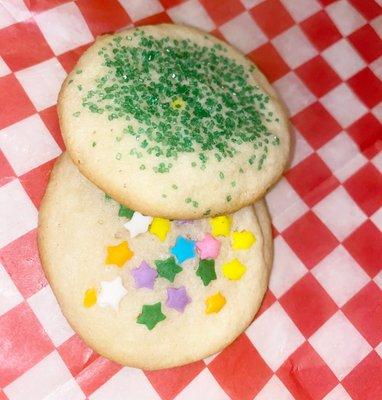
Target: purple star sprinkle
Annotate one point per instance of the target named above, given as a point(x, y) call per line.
point(183, 222)
point(177, 298)
point(144, 276)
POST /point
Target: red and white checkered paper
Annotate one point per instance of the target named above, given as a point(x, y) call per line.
point(319, 332)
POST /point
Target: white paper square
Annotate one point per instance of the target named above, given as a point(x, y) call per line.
point(338, 393)
point(377, 218)
point(243, 32)
point(248, 4)
point(342, 57)
point(28, 144)
point(339, 213)
point(9, 294)
point(376, 66)
point(44, 378)
point(294, 93)
point(204, 386)
point(376, 23)
point(301, 148)
point(42, 82)
point(191, 13)
point(340, 275)
point(301, 9)
point(274, 389)
point(12, 11)
point(4, 69)
point(275, 336)
point(346, 18)
point(45, 306)
point(287, 268)
point(342, 156)
point(70, 390)
point(141, 9)
point(64, 28)
point(18, 215)
point(285, 205)
point(127, 380)
point(340, 345)
point(344, 105)
point(378, 280)
point(294, 47)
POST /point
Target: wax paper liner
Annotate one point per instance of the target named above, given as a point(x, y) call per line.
point(318, 334)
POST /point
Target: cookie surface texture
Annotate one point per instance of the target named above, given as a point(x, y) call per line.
point(173, 123)
point(141, 301)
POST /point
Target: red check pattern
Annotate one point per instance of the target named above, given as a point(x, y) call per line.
point(319, 332)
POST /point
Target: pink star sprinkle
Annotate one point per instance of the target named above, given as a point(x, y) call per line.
point(209, 247)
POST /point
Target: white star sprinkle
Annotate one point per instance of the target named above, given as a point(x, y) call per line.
point(138, 224)
point(111, 293)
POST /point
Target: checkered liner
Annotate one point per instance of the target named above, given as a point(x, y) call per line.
point(319, 332)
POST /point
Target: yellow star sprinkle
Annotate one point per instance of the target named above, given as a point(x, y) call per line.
point(118, 254)
point(242, 240)
point(221, 226)
point(233, 270)
point(178, 104)
point(90, 298)
point(215, 303)
point(160, 227)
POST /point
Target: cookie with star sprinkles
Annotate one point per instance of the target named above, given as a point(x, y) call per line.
point(150, 292)
point(162, 116)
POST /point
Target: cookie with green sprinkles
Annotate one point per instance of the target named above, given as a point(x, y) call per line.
point(154, 296)
point(176, 115)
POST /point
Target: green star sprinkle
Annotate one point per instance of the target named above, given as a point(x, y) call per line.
point(107, 197)
point(150, 315)
point(206, 271)
point(168, 268)
point(125, 212)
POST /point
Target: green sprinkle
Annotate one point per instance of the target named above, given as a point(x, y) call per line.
point(207, 212)
point(221, 175)
point(125, 212)
point(241, 170)
point(76, 114)
point(174, 187)
point(188, 200)
point(229, 198)
point(142, 167)
point(195, 204)
point(79, 71)
point(94, 144)
point(71, 81)
point(185, 98)
point(79, 87)
point(233, 183)
point(118, 156)
point(107, 197)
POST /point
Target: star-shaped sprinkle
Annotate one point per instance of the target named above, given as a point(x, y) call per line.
point(160, 227)
point(118, 254)
point(215, 303)
point(184, 249)
point(221, 226)
point(125, 212)
point(90, 298)
point(138, 224)
point(168, 268)
point(233, 270)
point(144, 276)
point(206, 271)
point(151, 314)
point(177, 298)
point(242, 240)
point(111, 293)
point(209, 247)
